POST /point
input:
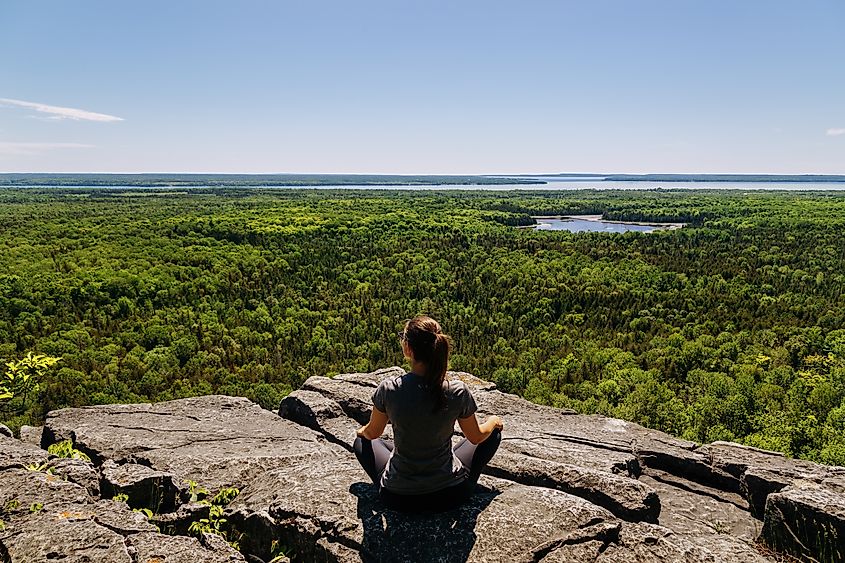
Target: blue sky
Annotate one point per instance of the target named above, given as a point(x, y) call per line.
point(751, 86)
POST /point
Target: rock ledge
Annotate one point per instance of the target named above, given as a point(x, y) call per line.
point(563, 487)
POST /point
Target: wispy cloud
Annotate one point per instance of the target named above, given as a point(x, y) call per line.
point(28, 149)
point(835, 132)
point(58, 112)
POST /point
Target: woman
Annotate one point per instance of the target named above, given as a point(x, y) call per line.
point(423, 472)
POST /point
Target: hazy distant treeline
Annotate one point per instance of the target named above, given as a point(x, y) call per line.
point(247, 180)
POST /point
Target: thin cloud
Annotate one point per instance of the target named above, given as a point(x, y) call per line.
point(835, 132)
point(58, 112)
point(28, 149)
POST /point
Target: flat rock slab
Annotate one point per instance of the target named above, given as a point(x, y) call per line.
point(313, 410)
point(802, 503)
point(76, 471)
point(14, 453)
point(625, 497)
point(328, 512)
point(215, 440)
point(153, 547)
point(718, 492)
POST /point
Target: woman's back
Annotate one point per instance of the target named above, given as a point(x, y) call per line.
point(422, 471)
point(422, 460)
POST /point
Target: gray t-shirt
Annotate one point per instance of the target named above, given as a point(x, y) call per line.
point(422, 460)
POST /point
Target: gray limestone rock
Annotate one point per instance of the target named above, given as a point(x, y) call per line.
point(337, 516)
point(76, 471)
point(625, 497)
point(761, 472)
point(647, 542)
point(706, 516)
point(310, 409)
point(595, 458)
point(563, 486)
point(320, 413)
point(216, 441)
point(807, 521)
point(759, 482)
point(49, 519)
point(146, 488)
point(14, 453)
point(353, 394)
point(31, 435)
point(154, 547)
point(4, 431)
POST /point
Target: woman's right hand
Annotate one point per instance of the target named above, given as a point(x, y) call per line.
point(495, 422)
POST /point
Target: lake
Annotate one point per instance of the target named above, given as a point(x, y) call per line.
point(595, 224)
point(552, 183)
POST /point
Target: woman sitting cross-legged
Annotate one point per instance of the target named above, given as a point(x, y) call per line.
point(422, 472)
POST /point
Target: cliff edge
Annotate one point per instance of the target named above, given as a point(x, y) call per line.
point(563, 487)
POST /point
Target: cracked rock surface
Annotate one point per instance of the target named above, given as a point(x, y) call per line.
point(708, 502)
point(563, 487)
point(48, 518)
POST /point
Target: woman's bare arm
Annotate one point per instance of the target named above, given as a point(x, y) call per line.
point(476, 433)
point(375, 427)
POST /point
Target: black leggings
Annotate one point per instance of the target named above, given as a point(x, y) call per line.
point(373, 456)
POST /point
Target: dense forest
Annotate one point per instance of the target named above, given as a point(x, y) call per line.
point(731, 328)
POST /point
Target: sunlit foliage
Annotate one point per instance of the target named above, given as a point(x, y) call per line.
point(732, 328)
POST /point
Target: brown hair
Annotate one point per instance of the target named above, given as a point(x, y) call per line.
point(431, 347)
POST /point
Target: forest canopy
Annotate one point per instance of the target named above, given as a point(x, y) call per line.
point(731, 328)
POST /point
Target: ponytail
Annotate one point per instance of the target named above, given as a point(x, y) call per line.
point(436, 368)
point(431, 347)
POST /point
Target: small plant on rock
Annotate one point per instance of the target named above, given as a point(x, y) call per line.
point(719, 527)
point(277, 552)
point(215, 523)
point(210, 525)
point(65, 449)
point(40, 467)
point(225, 496)
point(145, 511)
point(9, 507)
point(198, 492)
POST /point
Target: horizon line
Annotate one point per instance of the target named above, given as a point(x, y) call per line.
point(434, 174)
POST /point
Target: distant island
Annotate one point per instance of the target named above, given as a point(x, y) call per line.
point(804, 178)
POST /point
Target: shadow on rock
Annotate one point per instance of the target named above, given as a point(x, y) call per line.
point(420, 538)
